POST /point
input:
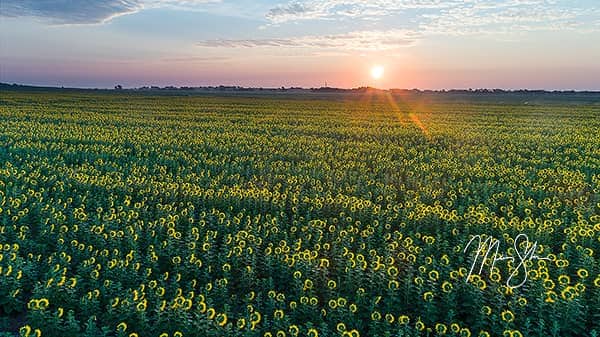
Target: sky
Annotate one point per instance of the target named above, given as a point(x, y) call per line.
point(426, 44)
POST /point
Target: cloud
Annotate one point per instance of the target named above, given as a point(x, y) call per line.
point(373, 40)
point(484, 17)
point(66, 11)
point(428, 18)
point(450, 17)
point(315, 9)
point(84, 11)
point(294, 11)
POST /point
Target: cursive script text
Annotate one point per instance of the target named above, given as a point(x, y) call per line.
point(487, 249)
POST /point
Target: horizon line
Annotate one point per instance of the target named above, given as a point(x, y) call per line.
point(284, 88)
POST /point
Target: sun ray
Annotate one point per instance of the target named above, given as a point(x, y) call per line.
point(414, 118)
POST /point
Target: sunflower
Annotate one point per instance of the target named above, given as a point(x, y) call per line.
point(441, 328)
point(221, 319)
point(507, 316)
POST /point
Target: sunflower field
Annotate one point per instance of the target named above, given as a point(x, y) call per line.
point(138, 215)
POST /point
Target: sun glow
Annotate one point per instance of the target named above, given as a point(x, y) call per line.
point(377, 72)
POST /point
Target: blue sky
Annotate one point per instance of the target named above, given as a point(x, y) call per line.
point(550, 44)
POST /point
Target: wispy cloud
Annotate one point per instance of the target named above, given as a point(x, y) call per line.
point(484, 17)
point(374, 40)
point(84, 11)
point(295, 11)
point(450, 17)
point(315, 9)
point(430, 17)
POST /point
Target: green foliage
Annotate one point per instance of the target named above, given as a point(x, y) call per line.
point(132, 215)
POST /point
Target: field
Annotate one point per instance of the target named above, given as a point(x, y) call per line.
point(128, 214)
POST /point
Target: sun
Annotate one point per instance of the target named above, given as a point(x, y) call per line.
point(377, 72)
